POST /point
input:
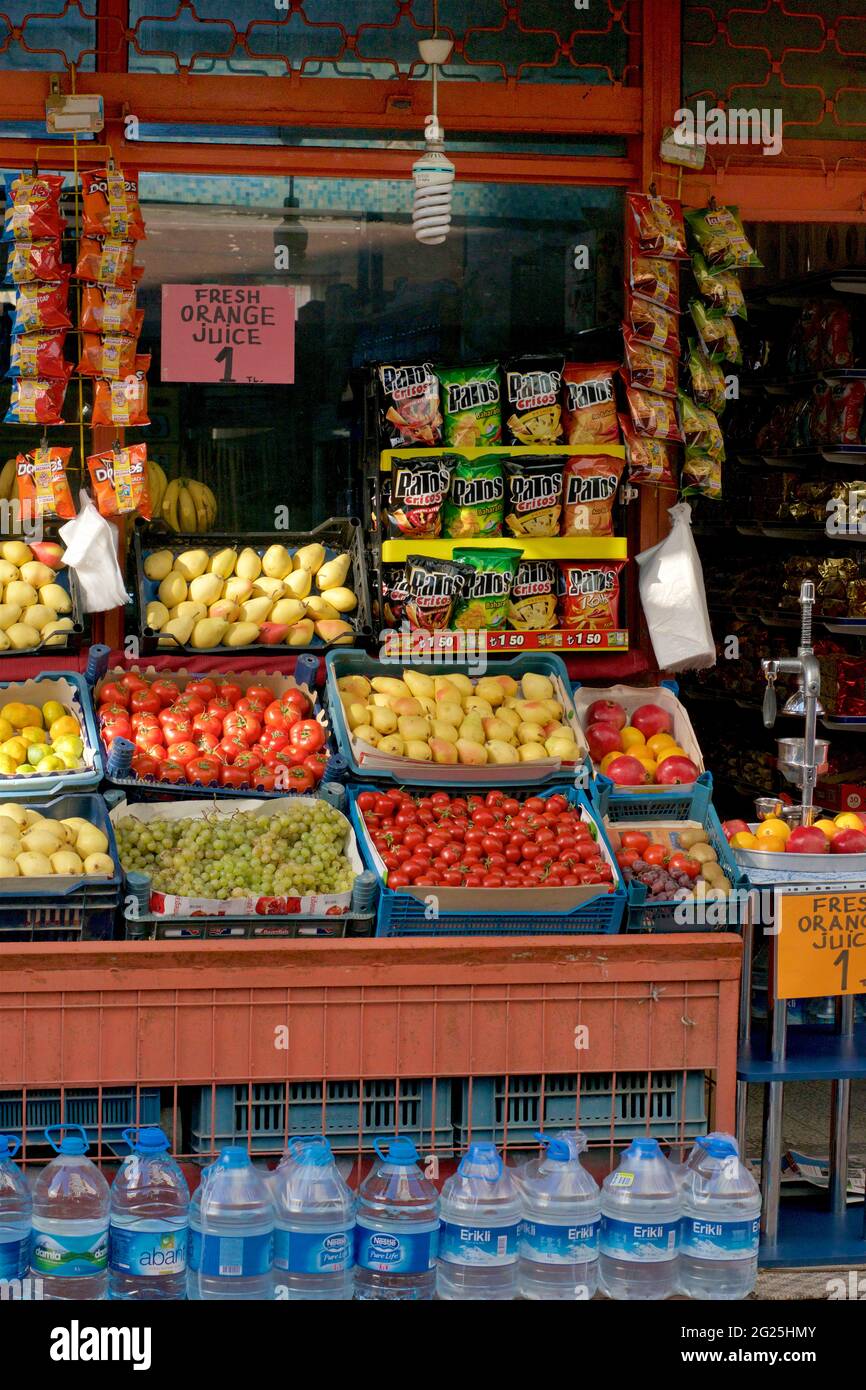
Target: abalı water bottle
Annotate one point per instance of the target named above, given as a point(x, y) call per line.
point(231, 1226)
point(70, 1221)
point(720, 1225)
point(561, 1217)
point(149, 1230)
point(640, 1211)
point(315, 1225)
point(478, 1238)
point(397, 1226)
point(16, 1211)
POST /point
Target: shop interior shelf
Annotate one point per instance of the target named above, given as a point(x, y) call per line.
point(810, 1234)
point(540, 548)
point(814, 1053)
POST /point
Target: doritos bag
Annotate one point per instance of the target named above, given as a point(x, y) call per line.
point(108, 261)
point(43, 487)
point(39, 354)
point(111, 207)
point(110, 355)
point(589, 487)
point(589, 403)
point(36, 401)
point(122, 403)
point(33, 210)
point(40, 307)
point(120, 481)
point(110, 309)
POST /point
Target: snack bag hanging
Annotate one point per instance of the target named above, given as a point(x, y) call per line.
point(36, 401)
point(108, 261)
point(654, 279)
point(589, 403)
point(707, 378)
point(32, 262)
point(111, 207)
point(483, 605)
point(41, 307)
point(532, 607)
point(471, 405)
point(532, 410)
point(656, 226)
point(122, 403)
point(589, 595)
point(409, 407)
point(653, 414)
point(717, 333)
point(433, 587)
point(721, 238)
point(43, 487)
point(119, 478)
point(417, 488)
point(720, 288)
point(590, 484)
point(652, 324)
point(533, 496)
point(110, 309)
point(111, 355)
point(476, 499)
point(648, 366)
point(650, 461)
point(38, 354)
point(33, 208)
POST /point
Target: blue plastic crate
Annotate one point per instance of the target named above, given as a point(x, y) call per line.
point(400, 914)
point(695, 804)
point(508, 1110)
point(104, 1116)
point(350, 1113)
point(345, 661)
point(57, 783)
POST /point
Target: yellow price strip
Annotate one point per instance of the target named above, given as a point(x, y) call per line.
point(821, 946)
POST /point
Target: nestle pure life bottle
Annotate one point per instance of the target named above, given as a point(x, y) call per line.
point(16, 1210)
point(315, 1226)
point(720, 1225)
point(70, 1221)
point(231, 1224)
point(396, 1226)
point(640, 1217)
point(561, 1216)
point(149, 1231)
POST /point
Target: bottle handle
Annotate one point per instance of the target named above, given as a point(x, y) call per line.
point(294, 1143)
point(499, 1167)
point(377, 1148)
point(13, 1144)
point(79, 1129)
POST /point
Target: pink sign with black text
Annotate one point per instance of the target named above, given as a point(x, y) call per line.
point(230, 333)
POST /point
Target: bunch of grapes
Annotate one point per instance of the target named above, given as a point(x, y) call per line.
point(296, 852)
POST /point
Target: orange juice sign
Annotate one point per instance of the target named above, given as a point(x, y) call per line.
point(821, 945)
point(229, 333)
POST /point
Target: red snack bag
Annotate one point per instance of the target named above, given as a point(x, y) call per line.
point(43, 486)
point(108, 261)
point(589, 484)
point(650, 277)
point(846, 411)
point(33, 210)
point(649, 366)
point(649, 460)
point(819, 412)
point(35, 260)
point(836, 340)
point(122, 403)
point(36, 401)
point(652, 324)
point(589, 594)
point(110, 355)
point(653, 414)
point(119, 480)
point(656, 226)
point(111, 207)
point(39, 354)
point(110, 309)
point(40, 306)
point(589, 403)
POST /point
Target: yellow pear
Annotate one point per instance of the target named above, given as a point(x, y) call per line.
point(223, 563)
point(54, 635)
point(257, 610)
point(173, 589)
point(277, 562)
point(16, 552)
point(301, 635)
point(35, 573)
point(310, 558)
point(189, 609)
point(176, 632)
point(9, 614)
point(333, 572)
point(238, 589)
point(298, 583)
point(249, 565)
point(393, 744)
point(56, 597)
point(23, 594)
point(287, 610)
point(241, 634)
point(269, 588)
point(156, 616)
point(158, 564)
point(192, 563)
point(344, 600)
point(22, 635)
point(206, 588)
point(419, 684)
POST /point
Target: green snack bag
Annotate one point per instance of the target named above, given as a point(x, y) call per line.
point(720, 237)
point(707, 378)
point(476, 500)
point(471, 405)
point(720, 287)
point(485, 600)
point(700, 428)
point(717, 333)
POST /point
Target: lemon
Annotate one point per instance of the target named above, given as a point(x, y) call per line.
point(659, 741)
point(671, 750)
point(829, 827)
point(630, 737)
point(775, 827)
point(744, 839)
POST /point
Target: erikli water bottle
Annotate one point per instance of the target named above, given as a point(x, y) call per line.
point(16, 1209)
point(149, 1230)
point(561, 1215)
point(478, 1238)
point(397, 1226)
point(720, 1225)
point(70, 1221)
point(315, 1225)
point(231, 1220)
point(640, 1211)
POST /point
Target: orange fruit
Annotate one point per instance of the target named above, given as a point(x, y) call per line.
point(830, 827)
point(672, 750)
point(775, 827)
point(767, 844)
point(659, 741)
point(630, 737)
point(847, 820)
point(608, 759)
point(744, 839)
point(649, 763)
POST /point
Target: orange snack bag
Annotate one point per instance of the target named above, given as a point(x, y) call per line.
point(589, 594)
point(589, 403)
point(589, 485)
point(108, 261)
point(110, 309)
point(123, 402)
point(43, 487)
point(119, 478)
point(111, 206)
point(110, 355)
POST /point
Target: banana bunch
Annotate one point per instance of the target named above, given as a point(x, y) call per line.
point(8, 488)
point(157, 483)
point(188, 506)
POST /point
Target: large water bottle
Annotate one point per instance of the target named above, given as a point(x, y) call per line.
point(16, 1211)
point(397, 1227)
point(71, 1203)
point(640, 1212)
point(478, 1239)
point(720, 1225)
point(231, 1227)
point(698, 1151)
point(149, 1230)
point(561, 1217)
point(315, 1225)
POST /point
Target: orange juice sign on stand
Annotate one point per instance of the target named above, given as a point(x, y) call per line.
point(821, 946)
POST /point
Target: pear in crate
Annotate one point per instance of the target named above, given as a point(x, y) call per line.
point(333, 573)
point(223, 563)
point(159, 564)
point(298, 583)
point(341, 599)
point(301, 634)
point(176, 632)
point(241, 634)
point(191, 563)
point(208, 632)
point(310, 557)
point(277, 562)
point(249, 565)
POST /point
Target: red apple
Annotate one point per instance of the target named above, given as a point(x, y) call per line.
point(607, 712)
point(807, 839)
point(848, 842)
point(651, 719)
point(627, 772)
point(675, 771)
point(602, 738)
point(732, 827)
point(49, 553)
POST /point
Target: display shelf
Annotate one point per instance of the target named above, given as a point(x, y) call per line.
point(502, 451)
point(395, 552)
point(814, 1053)
point(845, 627)
point(505, 640)
point(811, 1234)
point(792, 292)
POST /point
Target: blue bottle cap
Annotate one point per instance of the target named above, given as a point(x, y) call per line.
point(74, 1141)
point(233, 1156)
point(557, 1149)
point(315, 1155)
point(400, 1149)
point(150, 1139)
point(644, 1148)
point(718, 1147)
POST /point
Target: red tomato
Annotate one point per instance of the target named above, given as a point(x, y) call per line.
point(189, 704)
point(144, 721)
point(179, 733)
point(233, 776)
point(626, 857)
point(204, 770)
point(130, 681)
point(171, 771)
point(260, 695)
point(250, 759)
point(262, 779)
point(655, 854)
point(682, 864)
point(206, 743)
point(166, 691)
point(297, 700)
point(307, 735)
point(534, 803)
point(556, 803)
point(174, 718)
point(493, 881)
point(273, 740)
point(366, 801)
point(157, 751)
point(586, 851)
point(229, 748)
point(634, 839)
point(314, 765)
point(204, 688)
point(144, 766)
point(113, 693)
point(116, 726)
point(273, 717)
point(295, 779)
point(219, 706)
point(246, 727)
point(386, 804)
point(227, 690)
point(206, 723)
point(144, 701)
point(399, 880)
point(183, 751)
point(145, 739)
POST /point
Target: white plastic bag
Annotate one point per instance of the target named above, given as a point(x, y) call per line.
point(91, 550)
point(674, 600)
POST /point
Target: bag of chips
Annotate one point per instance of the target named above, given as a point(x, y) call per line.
point(108, 261)
point(720, 237)
point(836, 337)
point(589, 486)
point(110, 355)
point(702, 475)
point(434, 586)
point(483, 605)
point(649, 367)
point(476, 499)
point(532, 607)
point(110, 309)
point(653, 279)
point(409, 407)
point(720, 288)
point(820, 405)
point(33, 208)
point(119, 480)
point(589, 595)
point(122, 403)
point(705, 447)
point(652, 324)
point(39, 354)
point(653, 414)
point(707, 378)
point(111, 207)
point(717, 333)
point(35, 261)
point(471, 405)
point(533, 501)
point(650, 461)
point(36, 401)
point(417, 490)
point(43, 487)
point(39, 307)
point(847, 400)
point(395, 593)
point(656, 226)
point(589, 403)
point(532, 410)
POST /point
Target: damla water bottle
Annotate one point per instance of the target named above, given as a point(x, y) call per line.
point(149, 1230)
point(640, 1212)
point(478, 1238)
point(720, 1225)
point(315, 1226)
point(561, 1216)
point(396, 1226)
point(16, 1210)
point(71, 1203)
point(231, 1226)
